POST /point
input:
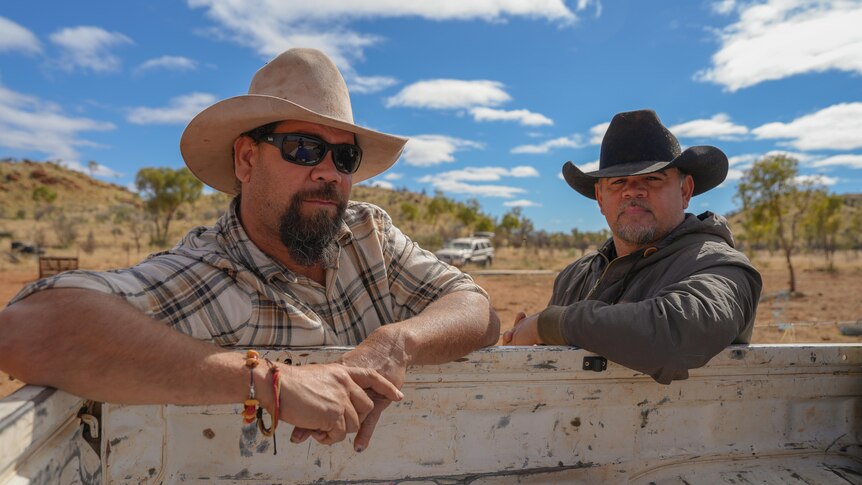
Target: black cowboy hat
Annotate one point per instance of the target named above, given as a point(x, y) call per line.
point(636, 143)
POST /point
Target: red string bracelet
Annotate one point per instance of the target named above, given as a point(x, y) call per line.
point(250, 404)
point(276, 391)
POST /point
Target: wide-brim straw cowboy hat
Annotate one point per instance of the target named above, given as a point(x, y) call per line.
point(636, 143)
point(299, 84)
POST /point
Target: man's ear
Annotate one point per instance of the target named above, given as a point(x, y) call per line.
point(687, 188)
point(599, 194)
point(244, 157)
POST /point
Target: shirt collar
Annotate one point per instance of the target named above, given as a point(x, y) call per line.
point(241, 249)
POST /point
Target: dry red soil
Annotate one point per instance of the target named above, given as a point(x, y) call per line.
point(825, 301)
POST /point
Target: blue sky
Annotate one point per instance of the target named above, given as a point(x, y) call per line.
point(495, 95)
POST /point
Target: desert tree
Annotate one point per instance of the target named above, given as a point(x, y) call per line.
point(44, 198)
point(775, 199)
point(509, 223)
point(853, 230)
point(65, 229)
point(822, 223)
point(483, 223)
point(89, 245)
point(409, 211)
point(137, 224)
point(164, 190)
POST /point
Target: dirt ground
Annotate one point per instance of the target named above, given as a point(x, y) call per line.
point(825, 300)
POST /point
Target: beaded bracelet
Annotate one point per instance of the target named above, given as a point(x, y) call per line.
point(251, 404)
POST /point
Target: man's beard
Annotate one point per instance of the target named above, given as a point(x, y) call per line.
point(311, 240)
point(638, 234)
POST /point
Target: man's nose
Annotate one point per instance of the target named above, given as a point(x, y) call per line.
point(634, 188)
point(325, 171)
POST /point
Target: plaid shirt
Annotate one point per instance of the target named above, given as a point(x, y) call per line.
point(216, 285)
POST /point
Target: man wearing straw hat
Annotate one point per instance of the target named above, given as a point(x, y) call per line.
point(291, 263)
point(668, 291)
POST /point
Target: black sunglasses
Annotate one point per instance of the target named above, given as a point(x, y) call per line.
point(309, 151)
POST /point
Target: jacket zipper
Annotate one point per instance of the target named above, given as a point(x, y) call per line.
point(596, 284)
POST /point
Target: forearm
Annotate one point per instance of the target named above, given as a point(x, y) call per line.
point(98, 346)
point(677, 330)
point(451, 327)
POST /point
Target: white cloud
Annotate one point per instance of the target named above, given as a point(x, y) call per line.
point(524, 171)
point(521, 203)
point(171, 63)
point(450, 94)
point(14, 37)
point(589, 167)
point(781, 38)
point(88, 48)
point(379, 183)
point(816, 179)
point(180, 109)
point(724, 7)
point(392, 176)
point(597, 133)
point(719, 126)
point(483, 174)
point(457, 187)
point(734, 174)
point(30, 124)
point(846, 160)
point(574, 141)
point(427, 150)
point(370, 84)
point(522, 116)
point(98, 171)
point(271, 26)
point(456, 181)
point(838, 127)
point(744, 161)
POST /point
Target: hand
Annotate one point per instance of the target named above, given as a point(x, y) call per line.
point(384, 352)
point(525, 331)
point(330, 399)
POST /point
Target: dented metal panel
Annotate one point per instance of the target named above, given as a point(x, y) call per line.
point(534, 415)
point(41, 440)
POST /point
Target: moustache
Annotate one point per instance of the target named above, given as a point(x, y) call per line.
point(326, 192)
point(634, 203)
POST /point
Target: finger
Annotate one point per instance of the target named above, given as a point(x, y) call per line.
point(363, 436)
point(507, 336)
point(299, 434)
point(362, 403)
point(520, 316)
point(321, 437)
point(351, 416)
point(370, 379)
point(337, 433)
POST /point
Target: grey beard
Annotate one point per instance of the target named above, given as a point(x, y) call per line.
point(636, 234)
point(311, 240)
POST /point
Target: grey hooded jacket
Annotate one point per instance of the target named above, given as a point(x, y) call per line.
point(660, 310)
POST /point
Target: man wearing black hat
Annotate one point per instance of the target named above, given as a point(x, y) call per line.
point(668, 291)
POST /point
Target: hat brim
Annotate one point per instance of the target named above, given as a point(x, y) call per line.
point(207, 142)
point(707, 165)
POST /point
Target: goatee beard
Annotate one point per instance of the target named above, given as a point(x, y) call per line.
point(311, 240)
point(634, 233)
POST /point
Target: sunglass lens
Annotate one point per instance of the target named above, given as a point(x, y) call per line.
point(302, 150)
point(347, 158)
